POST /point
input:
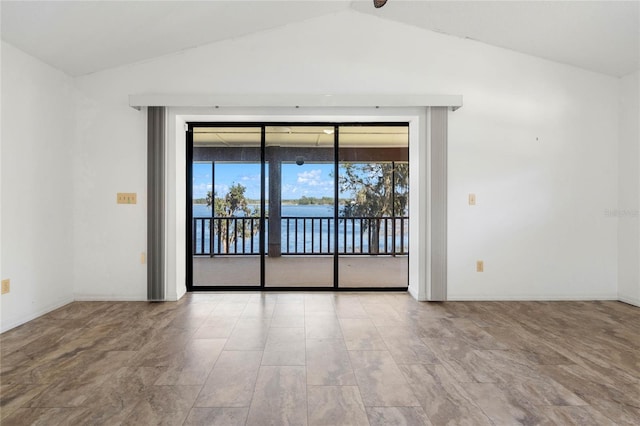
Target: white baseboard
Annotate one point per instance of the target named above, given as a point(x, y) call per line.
point(102, 298)
point(34, 315)
point(413, 291)
point(629, 300)
point(181, 293)
point(530, 297)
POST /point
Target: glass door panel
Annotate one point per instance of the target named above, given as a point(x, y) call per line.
point(373, 224)
point(300, 199)
point(226, 221)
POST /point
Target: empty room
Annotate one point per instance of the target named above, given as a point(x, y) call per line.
point(313, 212)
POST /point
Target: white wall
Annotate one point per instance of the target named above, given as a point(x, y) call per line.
point(626, 212)
point(38, 129)
point(536, 142)
point(1, 119)
point(109, 238)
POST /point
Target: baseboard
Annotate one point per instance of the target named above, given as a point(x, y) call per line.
point(181, 293)
point(39, 313)
point(413, 291)
point(629, 300)
point(174, 297)
point(95, 298)
point(530, 298)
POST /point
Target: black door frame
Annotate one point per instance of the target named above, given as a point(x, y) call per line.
point(263, 125)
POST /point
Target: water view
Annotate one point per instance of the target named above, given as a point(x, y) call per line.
point(305, 229)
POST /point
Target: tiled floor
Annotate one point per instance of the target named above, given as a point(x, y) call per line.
point(324, 359)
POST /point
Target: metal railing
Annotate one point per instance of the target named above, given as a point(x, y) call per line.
point(374, 235)
point(227, 236)
point(303, 235)
point(307, 235)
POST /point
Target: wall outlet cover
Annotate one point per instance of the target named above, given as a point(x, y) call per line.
point(6, 286)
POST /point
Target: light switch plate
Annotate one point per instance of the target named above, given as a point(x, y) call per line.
point(6, 286)
point(480, 266)
point(472, 199)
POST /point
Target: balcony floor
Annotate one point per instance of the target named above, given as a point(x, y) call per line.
point(302, 271)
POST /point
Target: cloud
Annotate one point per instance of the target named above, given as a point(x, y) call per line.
point(308, 183)
point(221, 190)
point(311, 178)
point(289, 189)
point(250, 178)
point(200, 190)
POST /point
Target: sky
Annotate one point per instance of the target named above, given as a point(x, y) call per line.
point(310, 180)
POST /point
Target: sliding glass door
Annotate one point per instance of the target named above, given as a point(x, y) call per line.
point(373, 178)
point(301, 191)
point(226, 207)
point(298, 206)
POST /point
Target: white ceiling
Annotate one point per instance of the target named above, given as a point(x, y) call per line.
point(81, 37)
point(602, 36)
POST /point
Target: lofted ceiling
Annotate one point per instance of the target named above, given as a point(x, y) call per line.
point(601, 36)
point(81, 37)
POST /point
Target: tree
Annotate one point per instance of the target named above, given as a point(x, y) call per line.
point(375, 194)
point(229, 212)
point(305, 201)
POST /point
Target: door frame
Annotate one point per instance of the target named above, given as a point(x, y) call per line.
point(415, 110)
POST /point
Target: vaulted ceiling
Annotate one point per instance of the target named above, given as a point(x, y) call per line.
point(81, 37)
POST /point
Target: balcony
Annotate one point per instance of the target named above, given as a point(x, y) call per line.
point(372, 251)
point(229, 236)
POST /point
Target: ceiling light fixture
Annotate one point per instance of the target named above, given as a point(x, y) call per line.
point(379, 3)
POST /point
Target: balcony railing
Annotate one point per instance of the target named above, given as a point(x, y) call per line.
point(303, 235)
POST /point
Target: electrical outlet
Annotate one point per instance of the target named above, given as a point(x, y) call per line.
point(6, 286)
point(480, 266)
point(127, 198)
point(472, 199)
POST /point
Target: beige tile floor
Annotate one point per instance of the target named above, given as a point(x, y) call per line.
point(323, 359)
